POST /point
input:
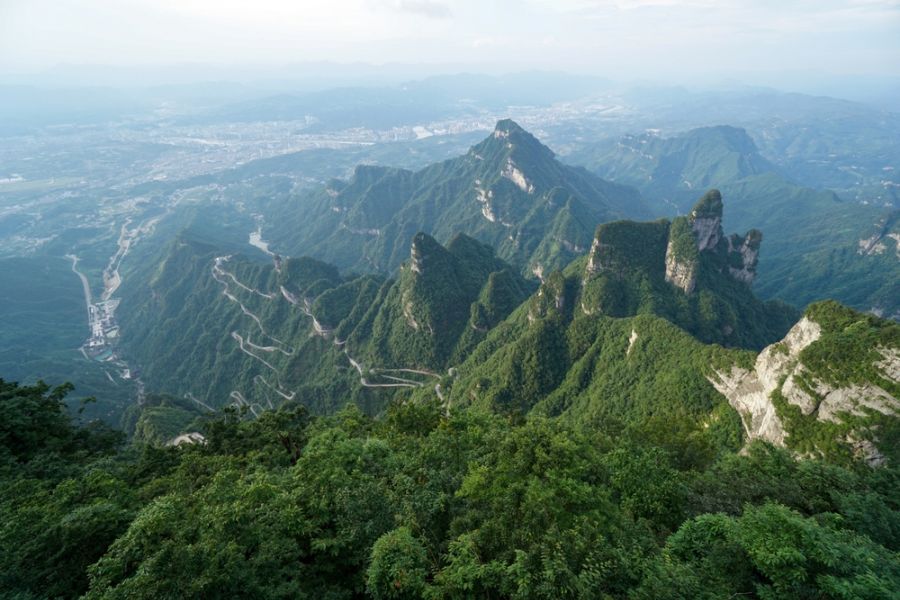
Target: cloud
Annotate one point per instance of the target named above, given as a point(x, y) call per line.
point(424, 8)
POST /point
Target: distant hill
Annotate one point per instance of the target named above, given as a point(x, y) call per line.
point(509, 191)
point(818, 244)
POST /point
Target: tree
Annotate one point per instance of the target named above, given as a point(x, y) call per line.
point(399, 566)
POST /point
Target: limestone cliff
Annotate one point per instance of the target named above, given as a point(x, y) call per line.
point(706, 220)
point(786, 375)
point(683, 254)
point(701, 232)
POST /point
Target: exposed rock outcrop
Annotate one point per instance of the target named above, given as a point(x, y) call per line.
point(779, 370)
point(748, 249)
point(706, 220)
point(681, 274)
point(749, 392)
point(193, 437)
point(702, 233)
point(594, 264)
point(512, 172)
point(683, 254)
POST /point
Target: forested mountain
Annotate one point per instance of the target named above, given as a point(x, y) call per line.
point(597, 408)
point(635, 491)
point(226, 329)
point(611, 434)
point(508, 191)
point(818, 244)
point(608, 338)
point(670, 170)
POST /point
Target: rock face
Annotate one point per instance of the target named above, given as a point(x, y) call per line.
point(595, 261)
point(748, 249)
point(702, 233)
point(423, 247)
point(683, 252)
point(778, 368)
point(749, 392)
point(680, 273)
point(512, 172)
point(706, 220)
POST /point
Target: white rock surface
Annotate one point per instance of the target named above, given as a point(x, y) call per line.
point(707, 230)
point(680, 274)
point(512, 172)
point(194, 437)
point(778, 368)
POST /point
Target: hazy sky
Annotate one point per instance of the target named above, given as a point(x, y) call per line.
point(640, 38)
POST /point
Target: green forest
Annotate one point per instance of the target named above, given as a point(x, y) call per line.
point(495, 387)
point(426, 503)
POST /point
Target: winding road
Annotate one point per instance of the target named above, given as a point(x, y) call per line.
point(84, 284)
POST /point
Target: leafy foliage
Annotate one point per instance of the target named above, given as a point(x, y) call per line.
point(422, 504)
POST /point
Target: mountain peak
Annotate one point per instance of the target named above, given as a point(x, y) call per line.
point(706, 220)
point(727, 137)
point(709, 206)
point(510, 139)
point(422, 249)
point(507, 127)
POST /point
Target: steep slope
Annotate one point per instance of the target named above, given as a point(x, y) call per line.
point(219, 328)
point(508, 191)
point(442, 303)
point(619, 335)
point(687, 271)
point(830, 387)
point(817, 244)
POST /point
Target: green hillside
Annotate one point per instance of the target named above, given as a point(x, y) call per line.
point(818, 245)
point(508, 191)
point(615, 337)
point(227, 329)
point(420, 504)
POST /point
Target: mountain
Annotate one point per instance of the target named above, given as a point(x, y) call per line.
point(685, 270)
point(830, 387)
point(818, 245)
point(227, 329)
point(670, 170)
point(620, 334)
point(509, 191)
point(443, 301)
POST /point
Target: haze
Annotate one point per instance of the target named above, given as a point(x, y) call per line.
point(761, 42)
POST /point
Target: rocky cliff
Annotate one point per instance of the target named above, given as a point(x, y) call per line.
point(687, 271)
point(702, 232)
point(787, 396)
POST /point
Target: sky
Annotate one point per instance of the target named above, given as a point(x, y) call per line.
point(616, 38)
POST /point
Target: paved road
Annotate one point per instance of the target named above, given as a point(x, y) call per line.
point(84, 284)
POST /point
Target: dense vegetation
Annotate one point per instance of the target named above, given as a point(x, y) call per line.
point(813, 236)
point(508, 191)
point(855, 350)
point(626, 275)
point(447, 433)
point(259, 340)
point(420, 503)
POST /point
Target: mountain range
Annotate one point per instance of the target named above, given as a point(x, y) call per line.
point(819, 244)
point(508, 191)
point(484, 380)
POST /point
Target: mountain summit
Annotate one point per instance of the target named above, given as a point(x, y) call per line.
point(508, 191)
point(687, 271)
